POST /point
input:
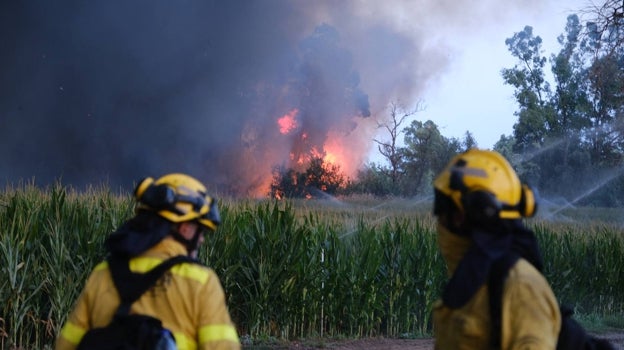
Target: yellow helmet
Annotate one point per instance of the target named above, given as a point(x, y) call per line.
point(178, 198)
point(482, 184)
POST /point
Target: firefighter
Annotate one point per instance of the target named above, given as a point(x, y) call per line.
point(172, 215)
point(479, 205)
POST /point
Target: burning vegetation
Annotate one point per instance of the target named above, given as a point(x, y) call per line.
point(320, 178)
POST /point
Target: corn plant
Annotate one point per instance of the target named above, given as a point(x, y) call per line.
point(290, 269)
point(584, 265)
point(49, 241)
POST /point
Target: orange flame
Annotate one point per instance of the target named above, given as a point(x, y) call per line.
point(336, 153)
point(288, 121)
point(314, 152)
point(331, 158)
point(340, 147)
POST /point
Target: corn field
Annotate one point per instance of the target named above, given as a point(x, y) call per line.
point(290, 269)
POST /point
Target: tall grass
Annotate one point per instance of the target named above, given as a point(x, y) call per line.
point(585, 265)
point(293, 269)
point(49, 242)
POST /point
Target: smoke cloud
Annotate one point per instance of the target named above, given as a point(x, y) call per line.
point(112, 91)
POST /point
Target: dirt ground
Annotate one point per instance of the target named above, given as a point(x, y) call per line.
point(616, 339)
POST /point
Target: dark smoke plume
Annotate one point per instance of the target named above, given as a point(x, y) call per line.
point(111, 91)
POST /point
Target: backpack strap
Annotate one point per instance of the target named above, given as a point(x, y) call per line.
point(131, 285)
point(496, 284)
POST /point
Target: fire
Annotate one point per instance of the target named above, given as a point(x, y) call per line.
point(331, 158)
point(303, 141)
point(301, 154)
point(337, 154)
point(333, 152)
point(288, 121)
point(314, 152)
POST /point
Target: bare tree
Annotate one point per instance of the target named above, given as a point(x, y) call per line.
point(605, 24)
point(389, 149)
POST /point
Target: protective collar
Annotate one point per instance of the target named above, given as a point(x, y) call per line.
point(137, 234)
point(487, 249)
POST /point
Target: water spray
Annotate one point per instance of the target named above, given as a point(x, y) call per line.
point(603, 182)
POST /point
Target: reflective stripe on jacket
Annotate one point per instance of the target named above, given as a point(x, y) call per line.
point(188, 299)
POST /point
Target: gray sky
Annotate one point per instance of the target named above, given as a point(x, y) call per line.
point(104, 91)
point(470, 94)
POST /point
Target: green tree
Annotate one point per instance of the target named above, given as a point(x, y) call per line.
point(505, 146)
point(557, 164)
point(426, 152)
point(532, 91)
point(606, 135)
point(469, 141)
point(570, 135)
point(373, 179)
point(605, 39)
point(570, 99)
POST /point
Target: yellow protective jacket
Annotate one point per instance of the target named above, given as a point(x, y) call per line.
point(530, 313)
point(188, 299)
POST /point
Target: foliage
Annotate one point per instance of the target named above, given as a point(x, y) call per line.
point(295, 269)
point(49, 242)
point(569, 139)
point(373, 179)
point(318, 179)
point(425, 153)
point(606, 25)
point(532, 90)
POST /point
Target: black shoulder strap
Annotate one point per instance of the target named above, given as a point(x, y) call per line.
point(131, 285)
point(496, 284)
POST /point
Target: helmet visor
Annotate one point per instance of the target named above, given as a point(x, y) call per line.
point(211, 219)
